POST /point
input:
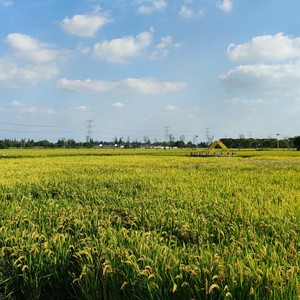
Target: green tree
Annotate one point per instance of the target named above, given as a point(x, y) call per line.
point(297, 142)
point(179, 144)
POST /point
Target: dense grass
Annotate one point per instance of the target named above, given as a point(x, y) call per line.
point(88, 224)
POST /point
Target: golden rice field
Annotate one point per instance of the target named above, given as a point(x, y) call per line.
point(149, 224)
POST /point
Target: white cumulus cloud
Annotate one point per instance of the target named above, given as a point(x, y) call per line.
point(272, 65)
point(118, 105)
point(80, 108)
point(28, 61)
point(86, 85)
point(144, 85)
point(151, 86)
point(266, 48)
point(85, 25)
point(162, 49)
point(225, 5)
point(170, 107)
point(117, 50)
point(187, 13)
point(23, 108)
point(264, 78)
point(27, 48)
point(150, 6)
point(13, 75)
point(246, 101)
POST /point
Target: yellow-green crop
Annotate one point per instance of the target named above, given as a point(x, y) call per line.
point(99, 224)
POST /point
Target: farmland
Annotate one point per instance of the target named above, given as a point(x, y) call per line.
point(149, 224)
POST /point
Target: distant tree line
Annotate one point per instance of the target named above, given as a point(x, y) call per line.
point(262, 143)
point(235, 143)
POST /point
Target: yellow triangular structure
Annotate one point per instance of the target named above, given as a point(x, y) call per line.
point(216, 143)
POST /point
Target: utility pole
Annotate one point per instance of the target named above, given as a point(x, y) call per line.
point(89, 126)
point(207, 135)
point(195, 137)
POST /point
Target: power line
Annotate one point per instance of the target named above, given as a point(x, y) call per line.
point(26, 131)
point(124, 130)
point(114, 130)
point(41, 126)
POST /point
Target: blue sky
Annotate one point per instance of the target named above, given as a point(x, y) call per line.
point(136, 67)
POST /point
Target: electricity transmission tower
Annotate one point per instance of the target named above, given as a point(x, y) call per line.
point(166, 133)
point(89, 126)
point(209, 137)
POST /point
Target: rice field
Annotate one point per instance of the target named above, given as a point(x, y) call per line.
point(152, 224)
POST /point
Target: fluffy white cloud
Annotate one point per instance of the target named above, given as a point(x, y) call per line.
point(273, 65)
point(145, 85)
point(85, 25)
point(151, 86)
point(28, 61)
point(117, 50)
point(80, 108)
point(170, 107)
point(187, 13)
point(165, 41)
point(150, 6)
point(245, 101)
point(13, 75)
point(16, 103)
point(266, 48)
point(6, 3)
point(264, 78)
point(23, 108)
point(27, 48)
point(86, 85)
point(40, 109)
point(162, 49)
point(225, 5)
point(118, 105)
